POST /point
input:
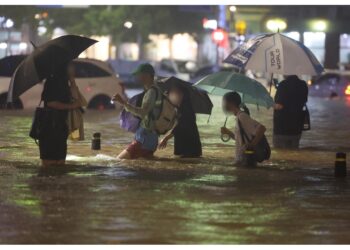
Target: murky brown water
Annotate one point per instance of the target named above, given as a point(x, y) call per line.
point(293, 198)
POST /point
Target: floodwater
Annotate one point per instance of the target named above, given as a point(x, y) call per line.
point(293, 198)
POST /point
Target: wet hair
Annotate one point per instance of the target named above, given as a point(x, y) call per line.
point(235, 99)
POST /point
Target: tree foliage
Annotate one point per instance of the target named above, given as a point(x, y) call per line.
point(109, 20)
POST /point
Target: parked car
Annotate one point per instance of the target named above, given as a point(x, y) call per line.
point(95, 79)
point(330, 84)
point(124, 68)
point(178, 68)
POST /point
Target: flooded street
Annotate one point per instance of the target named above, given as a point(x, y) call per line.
point(293, 198)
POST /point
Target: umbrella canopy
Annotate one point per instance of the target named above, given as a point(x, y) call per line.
point(44, 60)
point(275, 54)
point(200, 100)
point(9, 64)
point(252, 91)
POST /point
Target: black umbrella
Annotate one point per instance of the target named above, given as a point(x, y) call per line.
point(200, 100)
point(9, 64)
point(44, 60)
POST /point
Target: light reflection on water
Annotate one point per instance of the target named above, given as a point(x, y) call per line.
point(293, 198)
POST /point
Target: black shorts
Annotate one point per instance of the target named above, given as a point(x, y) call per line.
point(53, 146)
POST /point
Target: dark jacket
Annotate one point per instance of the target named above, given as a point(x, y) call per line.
point(187, 141)
point(292, 94)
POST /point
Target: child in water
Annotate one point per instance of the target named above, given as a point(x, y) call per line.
point(232, 103)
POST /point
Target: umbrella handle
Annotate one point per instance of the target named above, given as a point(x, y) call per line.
point(225, 137)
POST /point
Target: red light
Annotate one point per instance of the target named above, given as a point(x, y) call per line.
point(347, 90)
point(218, 35)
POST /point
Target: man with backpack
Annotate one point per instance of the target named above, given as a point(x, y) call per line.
point(151, 110)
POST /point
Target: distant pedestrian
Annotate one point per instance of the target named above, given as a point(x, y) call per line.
point(186, 136)
point(232, 103)
point(288, 117)
point(57, 99)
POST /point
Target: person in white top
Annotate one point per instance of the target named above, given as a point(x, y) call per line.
point(232, 103)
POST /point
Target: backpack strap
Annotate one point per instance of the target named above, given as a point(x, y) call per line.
point(244, 135)
point(158, 103)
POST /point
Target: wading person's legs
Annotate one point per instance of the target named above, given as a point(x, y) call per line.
point(47, 163)
point(286, 141)
point(135, 150)
point(124, 155)
point(53, 149)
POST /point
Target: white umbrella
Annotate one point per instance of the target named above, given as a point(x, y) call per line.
point(275, 54)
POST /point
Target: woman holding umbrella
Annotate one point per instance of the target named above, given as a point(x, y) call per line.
point(57, 98)
point(186, 136)
point(50, 62)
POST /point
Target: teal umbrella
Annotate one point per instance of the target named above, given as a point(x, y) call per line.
point(251, 91)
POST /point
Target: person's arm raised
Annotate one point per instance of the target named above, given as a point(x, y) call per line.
point(147, 104)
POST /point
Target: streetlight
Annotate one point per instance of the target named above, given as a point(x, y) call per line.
point(275, 25)
point(128, 24)
point(233, 8)
point(319, 25)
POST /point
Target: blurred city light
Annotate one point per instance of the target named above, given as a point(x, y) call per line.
point(210, 24)
point(233, 8)
point(218, 35)
point(3, 45)
point(9, 23)
point(23, 46)
point(275, 25)
point(319, 25)
point(347, 90)
point(128, 24)
point(42, 30)
point(241, 27)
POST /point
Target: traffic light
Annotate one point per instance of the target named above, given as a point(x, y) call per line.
point(218, 35)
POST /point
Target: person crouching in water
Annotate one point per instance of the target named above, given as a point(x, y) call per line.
point(146, 138)
point(187, 142)
point(232, 103)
